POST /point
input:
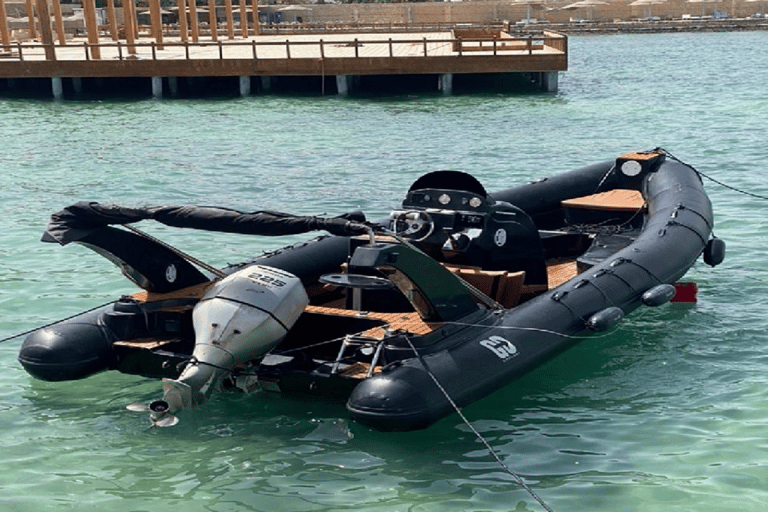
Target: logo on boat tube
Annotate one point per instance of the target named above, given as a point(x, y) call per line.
point(171, 273)
point(501, 347)
point(500, 237)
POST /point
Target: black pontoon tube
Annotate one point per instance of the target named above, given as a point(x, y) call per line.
point(677, 228)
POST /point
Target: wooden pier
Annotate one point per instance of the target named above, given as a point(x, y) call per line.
point(330, 62)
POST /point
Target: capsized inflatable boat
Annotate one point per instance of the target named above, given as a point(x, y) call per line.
point(456, 294)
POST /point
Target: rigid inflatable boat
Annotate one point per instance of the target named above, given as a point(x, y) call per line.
point(456, 294)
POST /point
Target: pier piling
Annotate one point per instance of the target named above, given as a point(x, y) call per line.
point(57, 86)
point(157, 87)
point(77, 85)
point(342, 85)
point(245, 86)
point(446, 83)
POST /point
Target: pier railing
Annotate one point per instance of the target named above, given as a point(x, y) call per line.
point(463, 41)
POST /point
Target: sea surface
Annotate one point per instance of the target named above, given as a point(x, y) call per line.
point(668, 412)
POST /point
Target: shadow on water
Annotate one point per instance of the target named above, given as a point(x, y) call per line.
point(363, 86)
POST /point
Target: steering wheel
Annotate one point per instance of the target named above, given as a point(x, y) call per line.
point(414, 224)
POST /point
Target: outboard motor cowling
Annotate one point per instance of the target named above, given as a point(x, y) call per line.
point(241, 318)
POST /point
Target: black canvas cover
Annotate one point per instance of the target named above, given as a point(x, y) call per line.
point(81, 219)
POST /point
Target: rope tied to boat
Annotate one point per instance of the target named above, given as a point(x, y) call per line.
point(30, 331)
point(710, 178)
point(479, 436)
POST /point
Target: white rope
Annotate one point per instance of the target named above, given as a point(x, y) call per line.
point(490, 449)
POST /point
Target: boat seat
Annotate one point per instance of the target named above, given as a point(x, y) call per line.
point(502, 286)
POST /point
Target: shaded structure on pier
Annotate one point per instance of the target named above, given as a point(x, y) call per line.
point(337, 61)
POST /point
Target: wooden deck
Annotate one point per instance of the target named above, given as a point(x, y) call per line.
point(159, 54)
point(295, 54)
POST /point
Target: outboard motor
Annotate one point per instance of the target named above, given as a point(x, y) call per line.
point(450, 216)
point(241, 318)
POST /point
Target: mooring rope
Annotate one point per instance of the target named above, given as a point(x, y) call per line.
point(30, 331)
point(710, 178)
point(488, 446)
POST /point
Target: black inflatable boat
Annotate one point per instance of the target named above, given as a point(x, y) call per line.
point(455, 295)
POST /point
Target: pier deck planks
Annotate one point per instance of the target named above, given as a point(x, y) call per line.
point(341, 54)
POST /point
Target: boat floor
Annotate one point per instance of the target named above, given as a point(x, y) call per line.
point(559, 272)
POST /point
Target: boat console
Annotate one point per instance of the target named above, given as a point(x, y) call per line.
point(449, 216)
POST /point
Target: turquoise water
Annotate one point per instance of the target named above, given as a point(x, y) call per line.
point(668, 412)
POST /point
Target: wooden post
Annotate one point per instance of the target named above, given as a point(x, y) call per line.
point(230, 21)
point(46, 34)
point(212, 20)
point(182, 4)
point(156, 20)
point(59, 21)
point(135, 20)
point(5, 36)
point(92, 27)
point(243, 19)
point(112, 19)
point(193, 21)
point(31, 20)
point(255, 15)
point(129, 15)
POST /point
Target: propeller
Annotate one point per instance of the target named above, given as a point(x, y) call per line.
point(159, 413)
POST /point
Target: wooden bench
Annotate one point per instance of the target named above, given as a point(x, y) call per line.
point(502, 286)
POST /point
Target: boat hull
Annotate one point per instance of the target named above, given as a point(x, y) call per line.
point(427, 376)
point(678, 225)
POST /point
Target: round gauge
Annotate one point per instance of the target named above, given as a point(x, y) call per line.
point(444, 199)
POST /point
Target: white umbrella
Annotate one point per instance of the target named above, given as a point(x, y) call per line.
point(585, 4)
point(529, 4)
point(646, 3)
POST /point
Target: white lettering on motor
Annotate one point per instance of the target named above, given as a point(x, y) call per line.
point(502, 347)
point(266, 280)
